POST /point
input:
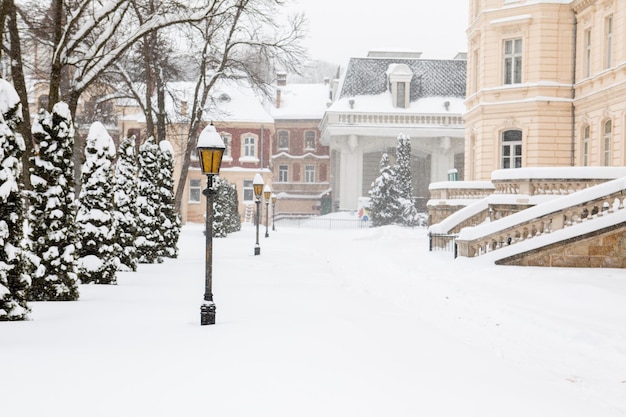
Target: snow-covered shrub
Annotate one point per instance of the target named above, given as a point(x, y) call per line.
point(52, 209)
point(95, 219)
point(125, 206)
point(13, 279)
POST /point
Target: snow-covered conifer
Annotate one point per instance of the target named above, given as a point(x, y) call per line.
point(52, 209)
point(225, 208)
point(149, 239)
point(234, 221)
point(402, 167)
point(404, 181)
point(94, 219)
point(169, 221)
point(125, 205)
point(385, 206)
point(13, 278)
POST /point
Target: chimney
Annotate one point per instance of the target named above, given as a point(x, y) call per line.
point(281, 79)
point(278, 93)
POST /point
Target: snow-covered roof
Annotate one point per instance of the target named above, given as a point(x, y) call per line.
point(431, 77)
point(302, 101)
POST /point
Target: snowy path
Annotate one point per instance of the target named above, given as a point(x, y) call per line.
point(344, 323)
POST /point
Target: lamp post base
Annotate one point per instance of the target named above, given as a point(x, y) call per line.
point(257, 250)
point(207, 313)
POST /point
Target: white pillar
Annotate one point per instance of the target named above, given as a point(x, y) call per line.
point(351, 175)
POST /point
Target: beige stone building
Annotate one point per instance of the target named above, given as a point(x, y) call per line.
point(546, 84)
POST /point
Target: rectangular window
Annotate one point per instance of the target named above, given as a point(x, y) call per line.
point(586, 146)
point(248, 190)
point(195, 190)
point(309, 139)
point(227, 145)
point(309, 173)
point(400, 94)
point(607, 143)
point(511, 149)
point(608, 51)
point(283, 139)
point(513, 61)
point(249, 147)
point(283, 173)
point(587, 57)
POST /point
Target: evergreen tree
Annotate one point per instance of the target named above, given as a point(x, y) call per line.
point(404, 181)
point(13, 278)
point(125, 206)
point(52, 210)
point(225, 209)
point(385, 205)
point(234, 221)
point(220, 208)
point(169, 220)
point(95, 220)
point(149, 238)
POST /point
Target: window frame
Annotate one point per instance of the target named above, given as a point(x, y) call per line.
point(608, 39)
point(247, 189)
point(309, 174)
point(588, 53)
point(607, 137)
point(283, 173)
point(585, 145)
point(512, 61)
point(283, 136)
point(509, 146)
point(309, 142)
point(195, 188)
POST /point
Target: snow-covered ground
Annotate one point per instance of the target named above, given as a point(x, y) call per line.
point(346, 323)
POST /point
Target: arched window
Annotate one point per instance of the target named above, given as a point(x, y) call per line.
point(607, 137)
point(511, 149)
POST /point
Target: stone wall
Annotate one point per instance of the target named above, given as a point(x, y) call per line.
point(605, 248)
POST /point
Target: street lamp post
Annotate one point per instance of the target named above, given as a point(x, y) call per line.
point(257, 185)
point(267, 193)
point(210, 150)
point(273, 212)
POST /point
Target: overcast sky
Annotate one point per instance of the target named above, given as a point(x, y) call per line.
point(341, 29)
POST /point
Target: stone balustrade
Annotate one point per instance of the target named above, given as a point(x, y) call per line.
point(537, 221)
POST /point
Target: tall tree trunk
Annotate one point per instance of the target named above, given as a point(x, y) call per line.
point(56, 67)
point(17, 72)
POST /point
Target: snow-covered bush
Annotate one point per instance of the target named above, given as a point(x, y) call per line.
point(125, 206)
point(169, 220)
point(149, 239)
point(13, 279)
point(95, 220)
point(52, 209)
point(385, 205)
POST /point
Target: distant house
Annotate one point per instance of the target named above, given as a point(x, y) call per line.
point(382, 96)
point(300, 163)
point(243, 122)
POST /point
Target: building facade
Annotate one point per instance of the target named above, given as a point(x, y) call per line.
point(300, 163)
point(382, 96)
point(546, 85)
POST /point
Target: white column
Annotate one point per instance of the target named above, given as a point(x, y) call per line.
point(351, 175)
point(441, 160)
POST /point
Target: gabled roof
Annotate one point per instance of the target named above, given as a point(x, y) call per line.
point(431, 78)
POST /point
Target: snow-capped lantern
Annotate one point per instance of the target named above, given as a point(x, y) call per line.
point(210, 150)
point(257, 186)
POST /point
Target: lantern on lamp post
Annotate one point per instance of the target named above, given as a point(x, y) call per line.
point(267, 193)
point(257, 185)
point(210, 150)
point(273, 212)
